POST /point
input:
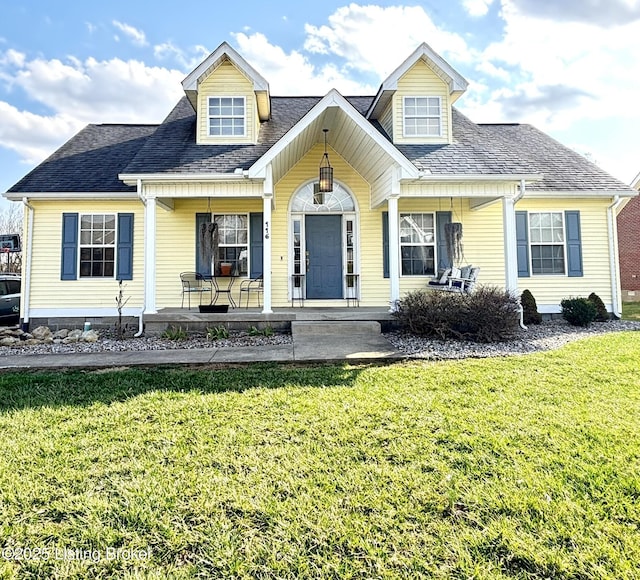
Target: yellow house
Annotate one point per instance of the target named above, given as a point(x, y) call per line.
point(231, 179)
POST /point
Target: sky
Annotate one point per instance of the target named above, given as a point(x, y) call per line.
point(569, 67)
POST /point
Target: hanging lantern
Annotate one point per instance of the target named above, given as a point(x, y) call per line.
point(326, 171)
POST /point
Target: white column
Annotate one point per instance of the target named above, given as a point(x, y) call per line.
point(267, 199)
point(394, 251)
point(266, 253)
point(510, 245)
point(150, 256)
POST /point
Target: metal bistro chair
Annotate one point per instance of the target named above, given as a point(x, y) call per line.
point(194, 282)
point(252, 285)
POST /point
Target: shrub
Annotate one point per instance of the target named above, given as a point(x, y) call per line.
point(578, 311)
point(266, 331)
point(601, 310)
point(530, 314)
point(487, 315)
point(217, 333)
point(173, 333)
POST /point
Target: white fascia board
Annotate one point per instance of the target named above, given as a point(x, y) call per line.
point(470, 177)
point(190, 83)
point(333, 99)
point(70, 195)
point(576, 193)
point(636, 182)
point(132, 178)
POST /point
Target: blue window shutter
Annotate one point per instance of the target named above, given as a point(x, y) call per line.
point(522, 243)
point(255, 244)
point(201, 266)
point(69, 266)
point(442, 219)
point(574, 243)
point(385, 244)
point(124, 263)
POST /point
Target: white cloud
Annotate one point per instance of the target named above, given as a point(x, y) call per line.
point(477, 8)
point(188, 60)
point(138, 37)
point(377, 39)
point(80, 92)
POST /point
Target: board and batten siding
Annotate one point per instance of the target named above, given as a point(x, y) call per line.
point(421, 81)
point(176, 243)
point(48, 291)
point(227, 81)
point(549, 290)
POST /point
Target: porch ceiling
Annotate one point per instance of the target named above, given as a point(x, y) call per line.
point(359, 145)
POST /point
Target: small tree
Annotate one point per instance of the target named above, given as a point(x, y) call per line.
point(121, 302)
point(530, 313)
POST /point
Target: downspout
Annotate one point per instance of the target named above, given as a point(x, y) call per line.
point(516, 199)
point(141, 315)
point(27, 265)
point(613, 245)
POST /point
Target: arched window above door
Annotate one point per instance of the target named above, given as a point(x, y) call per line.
point(309, 200)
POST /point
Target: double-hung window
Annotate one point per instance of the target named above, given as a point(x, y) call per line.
point(97, 245)
point(422, 117)
point(233, 236)
point(227, 116)
point(417, 244)
point(547, 239)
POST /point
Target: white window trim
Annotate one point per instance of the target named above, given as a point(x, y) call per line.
point(248, 243)
point(244, 116)
point(404, 117)
point(563, 243)
point(81, 245)
point(434, 244)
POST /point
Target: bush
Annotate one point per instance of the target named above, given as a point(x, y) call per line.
point(578, 311)
point(487, 315)
point(217, 333)
point(530, 314)
point(601, 310)
point(173, 333)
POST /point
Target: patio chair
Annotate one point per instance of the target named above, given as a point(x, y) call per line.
point(456, 280)
point(194, 282)
point(251, 286)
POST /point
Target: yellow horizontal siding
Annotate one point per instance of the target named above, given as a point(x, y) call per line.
point(550, 290)
point(176, 243)
point(421, 81)
point(227, 80)
point(48, 291)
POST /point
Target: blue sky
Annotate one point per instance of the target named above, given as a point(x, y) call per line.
point(571, 68)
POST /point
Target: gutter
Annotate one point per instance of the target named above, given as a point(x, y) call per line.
point(27, 265)
point(144, 294)
point(613, 261)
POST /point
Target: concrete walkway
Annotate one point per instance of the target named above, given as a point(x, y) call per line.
point(312, 341)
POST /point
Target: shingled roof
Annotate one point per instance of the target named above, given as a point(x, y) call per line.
point(90, 161)
point(93, 159)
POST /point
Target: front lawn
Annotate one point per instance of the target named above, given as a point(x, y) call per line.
point(519, 467)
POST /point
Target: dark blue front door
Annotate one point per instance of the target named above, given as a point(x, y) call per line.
point(324, 256)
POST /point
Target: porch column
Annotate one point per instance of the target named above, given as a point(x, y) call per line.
point(394, 252)
point(266, 254)
point(267, 198)
point(510, 245)
point(150, 256)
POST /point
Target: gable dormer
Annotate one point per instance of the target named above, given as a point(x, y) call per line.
point(414, 103)
point(230, 98)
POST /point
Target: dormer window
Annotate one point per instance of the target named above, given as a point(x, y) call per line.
point(227, 117)
point(422, 117)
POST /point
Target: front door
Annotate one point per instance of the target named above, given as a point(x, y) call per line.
point(324, 256)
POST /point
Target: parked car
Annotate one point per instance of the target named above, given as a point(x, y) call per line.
point(9, 298)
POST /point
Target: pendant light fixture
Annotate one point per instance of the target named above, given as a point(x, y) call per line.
point(326, 171)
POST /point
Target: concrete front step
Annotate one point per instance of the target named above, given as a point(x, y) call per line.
point(343, 329)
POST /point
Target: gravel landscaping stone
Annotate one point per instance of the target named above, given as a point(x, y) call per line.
point(545, 336)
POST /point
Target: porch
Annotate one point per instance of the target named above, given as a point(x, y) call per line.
point(244, 318)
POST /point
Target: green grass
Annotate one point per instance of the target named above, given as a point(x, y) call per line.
point(631, 310)
point(520, 467)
